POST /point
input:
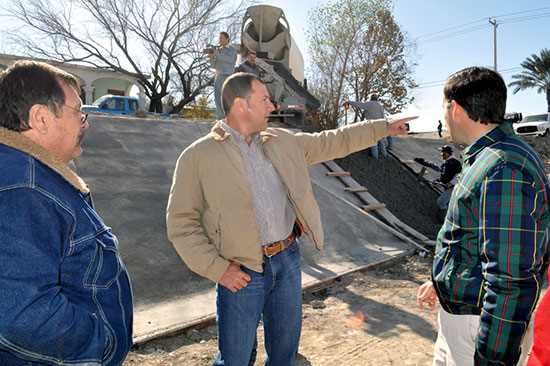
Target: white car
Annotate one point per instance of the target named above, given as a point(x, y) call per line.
point(535, 124)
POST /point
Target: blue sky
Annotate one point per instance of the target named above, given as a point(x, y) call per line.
point(522, 33)
point(523, 30)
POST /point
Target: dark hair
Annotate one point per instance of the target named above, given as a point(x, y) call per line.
point(225, 34)
point(480, 91)
point(448, 149)
point(238, 85)
point(251, 53)
point(26, 83)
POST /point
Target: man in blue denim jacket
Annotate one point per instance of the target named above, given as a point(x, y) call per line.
point(65, 296)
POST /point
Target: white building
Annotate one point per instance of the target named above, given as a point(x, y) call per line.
point(95, 82)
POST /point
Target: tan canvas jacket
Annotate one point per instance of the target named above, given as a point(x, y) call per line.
point(210, 215)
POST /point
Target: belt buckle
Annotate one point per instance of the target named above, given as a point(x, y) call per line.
point(271, 255)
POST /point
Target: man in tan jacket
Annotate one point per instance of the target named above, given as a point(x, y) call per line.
point(239, 199)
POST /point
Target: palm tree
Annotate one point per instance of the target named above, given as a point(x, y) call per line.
point(536, 74)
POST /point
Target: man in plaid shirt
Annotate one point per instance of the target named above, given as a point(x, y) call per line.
point(491, 248)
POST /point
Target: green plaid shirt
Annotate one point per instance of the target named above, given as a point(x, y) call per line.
point(492, 245)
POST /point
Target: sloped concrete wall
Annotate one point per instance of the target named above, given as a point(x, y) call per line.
point(128, 164)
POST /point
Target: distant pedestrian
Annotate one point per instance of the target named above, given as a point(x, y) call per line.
point(439, 128)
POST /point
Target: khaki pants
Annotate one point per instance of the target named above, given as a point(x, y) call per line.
point(456, 340)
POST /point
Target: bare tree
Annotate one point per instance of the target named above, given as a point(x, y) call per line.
point(148, 39)
point(350, 55)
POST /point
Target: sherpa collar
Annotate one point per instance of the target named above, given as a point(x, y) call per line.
point(19, 142)
point(220, 134)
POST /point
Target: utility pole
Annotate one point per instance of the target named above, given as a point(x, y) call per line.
point(495, 25)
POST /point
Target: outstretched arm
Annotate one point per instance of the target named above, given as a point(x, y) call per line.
point(397, 126)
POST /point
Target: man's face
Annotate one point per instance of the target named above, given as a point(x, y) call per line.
point(444, 155)
point(259, 107)
point(252, 58)
point(67, 130)
point(223, 40)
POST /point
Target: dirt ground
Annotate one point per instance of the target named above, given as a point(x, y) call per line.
point(365, 318)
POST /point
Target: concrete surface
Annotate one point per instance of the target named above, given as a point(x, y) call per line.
point(128, 164)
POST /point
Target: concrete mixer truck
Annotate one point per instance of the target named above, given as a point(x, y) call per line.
point(266, 31)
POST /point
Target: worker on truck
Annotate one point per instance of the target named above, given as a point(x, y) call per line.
point(249, 65)
point(223, 60)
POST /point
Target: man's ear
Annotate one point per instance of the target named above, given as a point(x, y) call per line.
point(241, 104)
point(457, 110)
point(39, 116)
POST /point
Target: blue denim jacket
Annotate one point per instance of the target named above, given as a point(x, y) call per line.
point(65, 296)
point(225, 59)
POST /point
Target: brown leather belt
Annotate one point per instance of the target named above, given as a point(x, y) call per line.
point(271, 249)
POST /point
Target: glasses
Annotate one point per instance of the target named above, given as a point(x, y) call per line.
point(84, 116)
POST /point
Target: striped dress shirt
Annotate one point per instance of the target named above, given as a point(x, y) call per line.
point(274, 212)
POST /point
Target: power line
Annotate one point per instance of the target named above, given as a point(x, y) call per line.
point(457, 33)
point(432, 84)
point(443, 34)
point(508, 71)
point(521, 19)
point(446, 33)
point(449, 29)
point(481, 20)
point(520, 12)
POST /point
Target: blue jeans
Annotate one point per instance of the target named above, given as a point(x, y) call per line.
point(389, 140)
point(443, 200)
point(277, 297)
point(218, 83)
point(379, 147)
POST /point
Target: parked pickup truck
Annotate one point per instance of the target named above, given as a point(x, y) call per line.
point(114, 104)
point(536, 124)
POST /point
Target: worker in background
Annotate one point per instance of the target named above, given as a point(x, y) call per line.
point(450, 169)
point(249, 65)
point(376, 111)
point(223, 60)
